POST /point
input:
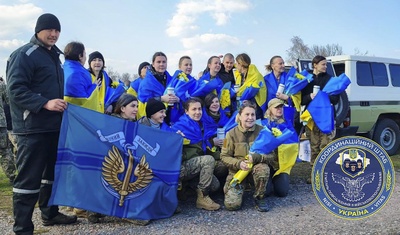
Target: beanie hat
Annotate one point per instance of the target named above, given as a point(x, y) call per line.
point(153, 106)
point(47, 21)
point(95, 55)
point(275, 102)
point(141, 67)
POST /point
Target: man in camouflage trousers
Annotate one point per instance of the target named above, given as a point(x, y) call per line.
point(7, 159)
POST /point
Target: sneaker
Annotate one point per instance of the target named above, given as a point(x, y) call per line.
point(60, 219)
point(261, 205)
point(138, 222)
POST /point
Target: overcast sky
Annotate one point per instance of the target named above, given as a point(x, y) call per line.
point(129, 32)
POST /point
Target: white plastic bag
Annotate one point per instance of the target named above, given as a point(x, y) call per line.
point(305, 150)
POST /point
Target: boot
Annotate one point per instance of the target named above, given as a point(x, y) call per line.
point(205, 202)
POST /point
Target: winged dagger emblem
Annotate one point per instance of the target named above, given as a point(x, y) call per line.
point(113, 165)
point(352, 188)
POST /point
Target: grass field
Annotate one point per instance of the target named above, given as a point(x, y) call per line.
point(300, 173)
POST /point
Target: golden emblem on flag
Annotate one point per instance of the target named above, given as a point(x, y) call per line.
point(113, 165)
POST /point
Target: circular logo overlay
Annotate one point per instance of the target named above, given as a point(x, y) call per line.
point(353, 177)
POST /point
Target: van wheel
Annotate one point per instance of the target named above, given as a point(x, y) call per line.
point(387, 134)
point(341, 108)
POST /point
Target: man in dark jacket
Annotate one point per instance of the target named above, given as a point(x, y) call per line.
point(36, 88)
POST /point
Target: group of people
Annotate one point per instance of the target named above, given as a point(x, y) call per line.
point(40, 87)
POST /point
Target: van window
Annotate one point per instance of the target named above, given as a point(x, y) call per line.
point(394, 70)
point(371, 74)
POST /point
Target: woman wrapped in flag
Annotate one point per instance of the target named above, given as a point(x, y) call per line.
point(209, 81)
point(109, 90)
point(291, 84)
point(252, 84)
point(79, 88)
point(213, 118)
point(319, 139)
point(284, 155)
point(155, 84)
point(235, 154)
point(277, 76)
point(183, 84)
point(195, 162)
point(134, 86)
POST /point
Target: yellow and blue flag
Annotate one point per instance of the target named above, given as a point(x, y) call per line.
point(320, 110)
point(253, 87)
point(116, 167)
point(79, 88)
point(183, 85)
point(288, 150)
point(134, 87)
point(150, 88)
point(206, 85)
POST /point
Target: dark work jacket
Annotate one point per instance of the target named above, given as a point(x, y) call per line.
point(226, 76)
point(34, 76)
point(319, 80)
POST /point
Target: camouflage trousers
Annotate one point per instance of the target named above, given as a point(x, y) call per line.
point(234, 194)
point(7, 158)
point(318, 141)
point(203, 168)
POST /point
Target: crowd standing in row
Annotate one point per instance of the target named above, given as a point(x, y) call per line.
point(39, 88)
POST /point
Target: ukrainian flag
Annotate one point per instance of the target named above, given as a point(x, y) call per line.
point(79, 88)
point(134, 87)
point(206, 85)
point(150, 88)
point(253, 87)
point(320, 110)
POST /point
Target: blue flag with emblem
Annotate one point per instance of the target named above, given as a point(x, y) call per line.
point(116, 167)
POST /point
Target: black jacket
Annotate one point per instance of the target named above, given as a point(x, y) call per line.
point(34, 76)
point(319, 80)
point(226, 76)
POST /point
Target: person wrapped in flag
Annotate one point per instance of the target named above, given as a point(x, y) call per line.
point(325, 113)
point(79, 88)
point(195, 162)
point(285, 154)
point(213, 118)
point(209, 81)
point(183, 84)
point(134, 86)
point(155, 85)
point(109, 90)
point(252, 84)
point(235, 154)
point(286, 86)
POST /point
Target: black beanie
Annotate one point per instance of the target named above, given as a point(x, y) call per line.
point(141, 67)
point(153, 106)
point(47, 21)
point(95, 55)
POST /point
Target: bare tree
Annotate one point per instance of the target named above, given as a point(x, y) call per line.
point(299, 50)
point(125, 77)
point(114, 75)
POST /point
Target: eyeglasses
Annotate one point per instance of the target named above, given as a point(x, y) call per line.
point(279, 107)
